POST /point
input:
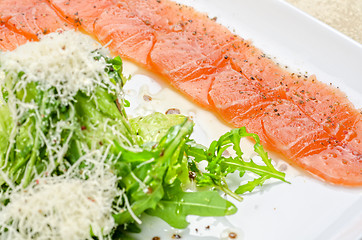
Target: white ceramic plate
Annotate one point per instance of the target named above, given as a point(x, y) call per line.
point(307, 208)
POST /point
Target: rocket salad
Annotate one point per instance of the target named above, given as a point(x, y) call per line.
point(71, 127)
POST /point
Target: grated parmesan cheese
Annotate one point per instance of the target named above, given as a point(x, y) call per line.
point(63, 207)
point(76, 205)
point(62, 60)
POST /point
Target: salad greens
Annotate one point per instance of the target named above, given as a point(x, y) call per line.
point(177, 204)
point(220, 164)
point(153, 157)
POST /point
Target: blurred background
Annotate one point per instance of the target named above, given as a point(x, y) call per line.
point(343, 15)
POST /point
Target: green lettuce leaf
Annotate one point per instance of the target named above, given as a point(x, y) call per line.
point(151, 128)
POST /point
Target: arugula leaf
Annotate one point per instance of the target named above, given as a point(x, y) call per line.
point(115, 70)
point(177, 205)
point(220, 166)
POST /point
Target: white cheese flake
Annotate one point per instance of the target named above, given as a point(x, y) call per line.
point(61, 60)
point(69, 206)
point(76, 205)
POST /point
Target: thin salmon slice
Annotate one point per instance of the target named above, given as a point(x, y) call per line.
point(134, 39)
point(106, 22)
point(179, 35)
point(303, 139)
point(10, 40)
point(32, 18)
point(81, 13)
point(194, 73)
point(311, 96)
point(169, 16)
point(312, 124)
point(9, 8)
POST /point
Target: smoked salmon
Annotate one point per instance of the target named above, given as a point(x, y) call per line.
point(10, 40)
point(31, 18)
point(313, 125)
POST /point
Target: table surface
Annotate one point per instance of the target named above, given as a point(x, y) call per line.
point(343, 15)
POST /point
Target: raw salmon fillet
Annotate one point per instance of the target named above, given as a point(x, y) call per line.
point(313, 125)
point(31, 18)
point(181, 31)
point(10, 40)
point(107, 21)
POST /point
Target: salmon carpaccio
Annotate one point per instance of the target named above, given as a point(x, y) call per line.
point(313, 125)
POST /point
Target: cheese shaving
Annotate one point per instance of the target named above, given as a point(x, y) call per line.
point(61, 60)
point(76, 205)
point(70, 206)
point(61, 64)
